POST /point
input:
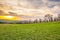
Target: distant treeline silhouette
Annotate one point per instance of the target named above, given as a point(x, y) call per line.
point(47, 18)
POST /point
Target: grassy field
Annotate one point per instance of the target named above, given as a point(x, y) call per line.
point(38, 31)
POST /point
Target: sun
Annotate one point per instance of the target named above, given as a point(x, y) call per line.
point(8, 17)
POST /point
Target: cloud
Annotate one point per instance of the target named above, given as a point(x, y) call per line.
point(55, 0)
point(35, 7)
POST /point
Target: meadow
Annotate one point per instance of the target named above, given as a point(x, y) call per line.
point(36, 31)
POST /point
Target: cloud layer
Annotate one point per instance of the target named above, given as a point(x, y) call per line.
point(34, 7)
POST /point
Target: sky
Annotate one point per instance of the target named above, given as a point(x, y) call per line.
point(34, 8)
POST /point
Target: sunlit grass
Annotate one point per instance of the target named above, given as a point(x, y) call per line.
point(38, 31)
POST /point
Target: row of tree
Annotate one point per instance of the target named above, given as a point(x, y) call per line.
point(47, 18)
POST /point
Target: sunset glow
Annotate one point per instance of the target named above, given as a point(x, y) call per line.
point(28, 9)
point(8, 17)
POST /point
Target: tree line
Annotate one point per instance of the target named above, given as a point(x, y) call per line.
point(47, 18)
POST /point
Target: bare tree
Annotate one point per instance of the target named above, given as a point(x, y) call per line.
point(58, 16)
point(55, 18)
point(40, 20)
point(48, 17)
point(36, 21)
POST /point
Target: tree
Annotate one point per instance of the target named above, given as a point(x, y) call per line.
point(40, 20)
point(55, 18)
point(58, 16)
point(48, 17)
point(36, 21)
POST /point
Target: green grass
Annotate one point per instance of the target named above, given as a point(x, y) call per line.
point(38, 31)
